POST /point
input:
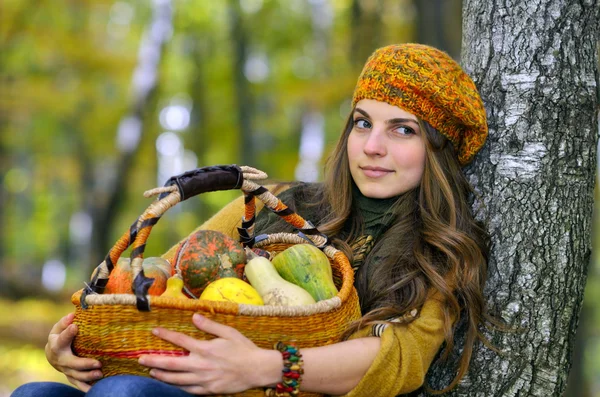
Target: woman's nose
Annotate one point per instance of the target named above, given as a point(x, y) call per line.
point(375, 144)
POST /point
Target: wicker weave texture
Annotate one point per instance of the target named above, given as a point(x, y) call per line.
point(113, 331)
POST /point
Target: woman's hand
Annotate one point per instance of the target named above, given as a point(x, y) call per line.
point(230, 363)
point(78, 370)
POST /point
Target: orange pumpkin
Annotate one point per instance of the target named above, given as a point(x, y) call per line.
point(120, 279)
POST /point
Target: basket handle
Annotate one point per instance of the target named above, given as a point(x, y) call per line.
point(304, 227)
point(179, 188)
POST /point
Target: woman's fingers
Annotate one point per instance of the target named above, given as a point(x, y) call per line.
point(214, 328)
point(62, 324)
point(81, 363)
point(176, 338)
point(84, 387)
point(79, 370)
point(165, 362)
point(83, 376)
point(66, 337)
point(175, 378)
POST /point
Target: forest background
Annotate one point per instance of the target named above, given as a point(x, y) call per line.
point(101, 100)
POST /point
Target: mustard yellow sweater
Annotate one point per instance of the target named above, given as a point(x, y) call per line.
point(407, 350)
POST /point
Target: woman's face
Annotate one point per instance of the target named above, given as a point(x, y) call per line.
point(386, 151)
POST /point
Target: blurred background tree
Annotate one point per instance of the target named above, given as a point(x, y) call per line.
point(103, 99)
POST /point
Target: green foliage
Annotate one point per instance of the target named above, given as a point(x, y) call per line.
point(67, 71)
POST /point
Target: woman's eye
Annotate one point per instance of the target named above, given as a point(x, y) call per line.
point(362, 123)
point(403, 130)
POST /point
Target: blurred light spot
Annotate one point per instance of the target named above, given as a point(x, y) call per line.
point(403, 12)
point(303, 67)
point(54, 275)
point(312, 136)
point(251, 6)
point(297, 6)
point(190, 160)
point(161, 30)
point(256, 68)
point(168, 144)
point(175, 117)
point(80, 228)
point(121, 13)
point(129, 134)
point(307, 171)
point(144, 75)
point(312, 143)
point(16, 180)
point(322, 13)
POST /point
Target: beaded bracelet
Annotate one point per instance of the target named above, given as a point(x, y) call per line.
point(292, 372)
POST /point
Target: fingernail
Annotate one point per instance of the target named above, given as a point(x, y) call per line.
point(98, 365)
point(155, 332)
point(196, 316)
point(142, 361)
point(151, 372)
point(97, 374)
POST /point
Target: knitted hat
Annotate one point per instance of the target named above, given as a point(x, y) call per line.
point(431, 85)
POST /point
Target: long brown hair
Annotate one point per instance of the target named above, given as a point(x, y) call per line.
point(433, 244)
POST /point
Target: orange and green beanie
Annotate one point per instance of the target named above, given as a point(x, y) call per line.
point(428, 83)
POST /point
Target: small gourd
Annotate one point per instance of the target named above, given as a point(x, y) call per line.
point(273, 289)
point(174, 287)
point(121, 278)
point(308, 267)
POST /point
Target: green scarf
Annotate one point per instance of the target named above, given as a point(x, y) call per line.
point(375, 212)
point(376, 217)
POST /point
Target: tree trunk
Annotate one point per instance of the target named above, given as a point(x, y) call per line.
point(144, 82)
point(365, 29)
point(439, 24)
point(245, 103)
point(536, 66)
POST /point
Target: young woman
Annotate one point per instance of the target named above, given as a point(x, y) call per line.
point(396, 201)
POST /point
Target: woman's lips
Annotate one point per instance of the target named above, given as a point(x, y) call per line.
point(375, 172)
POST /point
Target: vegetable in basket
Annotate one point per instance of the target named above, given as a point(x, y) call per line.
point(208, 255)
point(121, 277)
point(175, 288)
point(308, 267)
point(231, 289)
point(273, 289)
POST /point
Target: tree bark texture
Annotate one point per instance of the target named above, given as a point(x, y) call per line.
point(535, 63)
point(144, 83)
point(245, 101)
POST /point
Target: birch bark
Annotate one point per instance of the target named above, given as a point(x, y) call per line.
point(536, 65)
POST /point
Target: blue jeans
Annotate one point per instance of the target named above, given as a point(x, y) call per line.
point(113, 386)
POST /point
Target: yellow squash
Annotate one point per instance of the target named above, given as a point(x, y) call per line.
point(232, 289)
point(174, 287)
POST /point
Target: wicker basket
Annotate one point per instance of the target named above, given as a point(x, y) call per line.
point(116, 328)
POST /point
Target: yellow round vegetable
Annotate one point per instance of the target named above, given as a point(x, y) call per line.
point(232, 289)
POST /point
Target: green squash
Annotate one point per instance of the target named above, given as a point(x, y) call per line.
point(308, 267)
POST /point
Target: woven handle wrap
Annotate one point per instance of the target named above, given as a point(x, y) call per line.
point(305, 229)
point(177, 189)
point(180, 188)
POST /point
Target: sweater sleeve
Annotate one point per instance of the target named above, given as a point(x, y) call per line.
point(406, 353)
